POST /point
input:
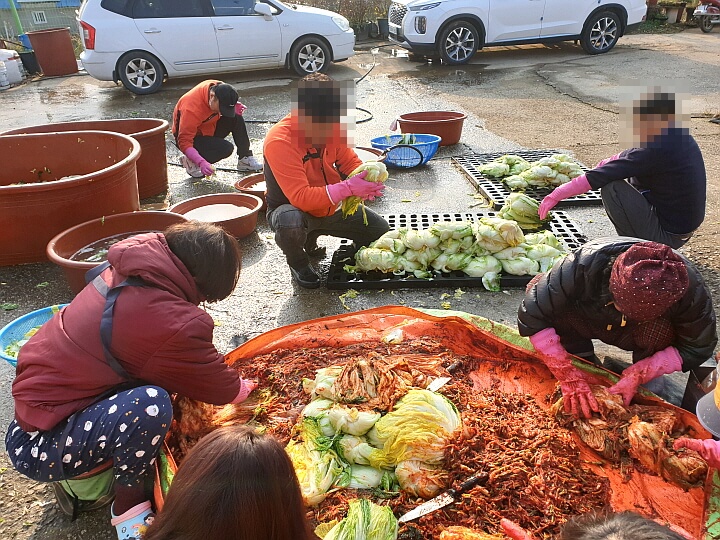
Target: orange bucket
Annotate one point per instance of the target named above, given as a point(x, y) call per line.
point(445, 124)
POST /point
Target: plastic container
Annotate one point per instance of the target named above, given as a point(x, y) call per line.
point(54, 51)
point(4, 81)
point(214, 210)
point(30, 63)
point(17, 329)
point(12, 63)
point(149, 132)
point(445, 124)
point(368, 154)
point(426, 143)
point(254, 185)
point(64, 245)
point(32, 211)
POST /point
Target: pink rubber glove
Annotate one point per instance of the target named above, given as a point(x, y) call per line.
point(514, 531)
point(708, 449)
point(240, 108)
point(246, 387)
point(355, 185)
point(576, 186)
point(194, 156)
point(607, 160)
point(661, 363)
point(578, 398)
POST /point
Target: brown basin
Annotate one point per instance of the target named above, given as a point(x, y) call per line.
point(218, 208)
point(53, 181)
point(254, 185)
point(70, 241)
point(149, 132)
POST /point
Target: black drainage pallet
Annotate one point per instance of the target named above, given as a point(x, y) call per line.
point(561, 226)
point(496, 190)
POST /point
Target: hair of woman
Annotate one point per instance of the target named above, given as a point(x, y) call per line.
point(235, 484)
point(619, 526)
point(211, 255)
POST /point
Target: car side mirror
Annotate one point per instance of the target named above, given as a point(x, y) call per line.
point(264, 10)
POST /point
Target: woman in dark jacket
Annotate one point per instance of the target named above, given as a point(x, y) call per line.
point(639, 296)
point(93, 383)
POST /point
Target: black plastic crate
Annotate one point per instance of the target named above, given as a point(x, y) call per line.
point(561, 226)
point(496, 191)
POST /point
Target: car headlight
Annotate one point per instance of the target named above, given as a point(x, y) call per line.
point(342, 23)
point(424, 7)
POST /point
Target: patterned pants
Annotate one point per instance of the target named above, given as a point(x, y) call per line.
point(127, 428)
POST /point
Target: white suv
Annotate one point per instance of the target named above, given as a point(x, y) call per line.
point(454, 30)
point(140, 42)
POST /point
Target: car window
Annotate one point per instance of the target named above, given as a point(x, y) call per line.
point(116, 6)
point(162, 9)
point(225, 8)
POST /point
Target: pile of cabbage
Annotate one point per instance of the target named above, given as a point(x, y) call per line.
point(482, 248)
point(335, 445)
point(365, 521)
point(519, 174)
point(522, 209)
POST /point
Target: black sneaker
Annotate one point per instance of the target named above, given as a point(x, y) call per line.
point(306, 277)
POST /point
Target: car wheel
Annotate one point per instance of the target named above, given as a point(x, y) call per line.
point(140, 72)
point(459, 41)
point(310, 55)
point(601, 33)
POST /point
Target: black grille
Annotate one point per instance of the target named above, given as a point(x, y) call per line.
point(397, 13)
point(561, 226)
point(496, 191)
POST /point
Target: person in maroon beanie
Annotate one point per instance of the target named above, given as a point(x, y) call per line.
point(638, 296)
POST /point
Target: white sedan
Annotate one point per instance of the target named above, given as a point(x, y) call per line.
point(141, 42)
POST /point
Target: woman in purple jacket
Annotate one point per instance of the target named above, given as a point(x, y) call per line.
point(93, 384)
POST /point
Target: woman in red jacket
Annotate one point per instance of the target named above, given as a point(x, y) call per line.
point(93, 383)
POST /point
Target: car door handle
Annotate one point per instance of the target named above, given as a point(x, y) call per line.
point(152, 31)
point(226, 27)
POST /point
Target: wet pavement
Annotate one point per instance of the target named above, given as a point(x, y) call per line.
point(499, 83)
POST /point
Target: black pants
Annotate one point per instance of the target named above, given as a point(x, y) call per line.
point(294, 230)
point(215, 148)
point(632, 215)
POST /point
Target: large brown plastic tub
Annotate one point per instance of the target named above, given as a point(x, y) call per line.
point(54, 51)
point(445, 124)
point(149, 132)
point(69, 242)
point(32, 212)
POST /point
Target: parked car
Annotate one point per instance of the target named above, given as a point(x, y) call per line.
point(454, 30)
point(142, 42)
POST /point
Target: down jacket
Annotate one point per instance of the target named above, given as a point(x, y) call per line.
point(580, 283)
point(160, 336)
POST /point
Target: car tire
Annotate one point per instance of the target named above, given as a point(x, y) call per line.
point(141, 72)
point(458, 42)
point(601, 32)
point(310, 55)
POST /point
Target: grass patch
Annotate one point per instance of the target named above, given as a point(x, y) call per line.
point(655, 26)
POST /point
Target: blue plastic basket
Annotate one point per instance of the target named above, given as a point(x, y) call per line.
point(16, 330)
point(426, 143)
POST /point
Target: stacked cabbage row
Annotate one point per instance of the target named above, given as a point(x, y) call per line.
point(519, 174)
point(482, 248)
